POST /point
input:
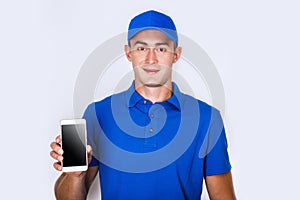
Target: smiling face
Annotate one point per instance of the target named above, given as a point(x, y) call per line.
point(152, 55)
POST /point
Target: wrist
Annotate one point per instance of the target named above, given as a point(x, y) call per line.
point(76, 174)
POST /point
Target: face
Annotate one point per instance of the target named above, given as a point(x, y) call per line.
point(152, 55)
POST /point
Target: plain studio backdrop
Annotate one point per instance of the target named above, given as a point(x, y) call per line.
point(253, 44)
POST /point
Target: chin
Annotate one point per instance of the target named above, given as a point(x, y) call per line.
point(153, 84)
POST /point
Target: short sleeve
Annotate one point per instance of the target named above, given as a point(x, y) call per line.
point(90, 117)
point(217, 158)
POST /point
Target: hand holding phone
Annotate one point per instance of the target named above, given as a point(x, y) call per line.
point(74, 145)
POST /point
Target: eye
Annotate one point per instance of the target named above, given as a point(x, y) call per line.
point(141, 49)
point(161, 49)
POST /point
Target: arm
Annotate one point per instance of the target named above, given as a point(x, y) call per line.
point(75, 186)
point(220, 187)
point(71, 185)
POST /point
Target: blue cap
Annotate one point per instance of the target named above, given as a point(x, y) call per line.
point(153, 20)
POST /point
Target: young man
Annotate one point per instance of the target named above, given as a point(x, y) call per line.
point(147, 120)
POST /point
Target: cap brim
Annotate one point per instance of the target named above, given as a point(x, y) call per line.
point(171, 34)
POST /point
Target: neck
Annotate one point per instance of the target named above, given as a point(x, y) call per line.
point(155, 94)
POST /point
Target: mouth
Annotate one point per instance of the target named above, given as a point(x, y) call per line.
point(151, 71)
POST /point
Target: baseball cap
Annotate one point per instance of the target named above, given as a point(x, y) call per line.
point(153, 20)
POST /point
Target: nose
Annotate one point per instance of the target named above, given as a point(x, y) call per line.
point(151, 57)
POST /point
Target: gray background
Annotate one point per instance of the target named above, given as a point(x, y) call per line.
point(254, 45)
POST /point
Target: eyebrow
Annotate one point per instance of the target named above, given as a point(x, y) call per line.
point(156, 44)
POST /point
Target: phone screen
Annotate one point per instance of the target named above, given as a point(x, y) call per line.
point(73, 144)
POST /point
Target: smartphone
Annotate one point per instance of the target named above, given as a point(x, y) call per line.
point(74, 145)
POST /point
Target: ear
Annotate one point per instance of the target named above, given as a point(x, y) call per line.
point(177, 54)
point(127, 52)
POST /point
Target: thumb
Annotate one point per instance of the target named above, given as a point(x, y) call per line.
point(90, 152)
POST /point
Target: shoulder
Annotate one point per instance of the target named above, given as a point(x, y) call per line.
point(204, 107)
point(106, 103)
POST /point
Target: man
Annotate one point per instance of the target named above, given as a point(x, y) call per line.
point(150, 117)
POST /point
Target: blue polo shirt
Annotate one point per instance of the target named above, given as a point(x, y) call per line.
point(155, 151)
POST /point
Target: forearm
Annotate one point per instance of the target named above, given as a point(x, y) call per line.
point(69, 187)
point(220, 187)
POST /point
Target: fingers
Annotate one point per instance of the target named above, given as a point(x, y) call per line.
point(56, 153)
point(57, 166)
point(56, 156)
point(58, 139)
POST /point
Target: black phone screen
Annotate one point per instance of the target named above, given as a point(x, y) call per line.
point(73, 144)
